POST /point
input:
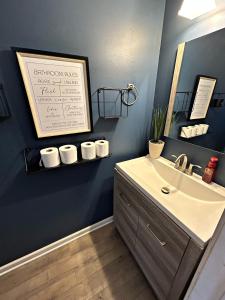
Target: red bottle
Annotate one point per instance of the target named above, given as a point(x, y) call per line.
point(209, 172)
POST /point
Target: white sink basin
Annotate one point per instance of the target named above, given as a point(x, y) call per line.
point(193, 204)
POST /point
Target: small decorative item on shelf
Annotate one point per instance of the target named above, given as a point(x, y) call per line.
point(156, 145)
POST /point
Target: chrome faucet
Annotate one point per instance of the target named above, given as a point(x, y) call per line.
point(181, 162)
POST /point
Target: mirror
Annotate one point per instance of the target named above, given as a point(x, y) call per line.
point(196, 111)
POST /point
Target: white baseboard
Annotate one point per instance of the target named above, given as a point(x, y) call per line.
point(51, 247)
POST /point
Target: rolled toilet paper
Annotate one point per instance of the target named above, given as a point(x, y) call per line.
point(199, 129)
point(186, 132)
point(102, 148)
point(193, 130)
point(50, 157)
point(205, 128)
point(88, 150)
point(68, 154)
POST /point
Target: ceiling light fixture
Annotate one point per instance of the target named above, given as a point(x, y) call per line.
point(192, 9)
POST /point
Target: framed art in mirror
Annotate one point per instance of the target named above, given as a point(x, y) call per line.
point(202, 96)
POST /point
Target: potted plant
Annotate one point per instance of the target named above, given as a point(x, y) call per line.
point(156, 145)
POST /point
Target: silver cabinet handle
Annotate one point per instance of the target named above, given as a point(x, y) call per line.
point(124, 198)
point(155, 236)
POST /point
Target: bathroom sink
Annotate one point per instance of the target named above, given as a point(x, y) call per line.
point(193, 204)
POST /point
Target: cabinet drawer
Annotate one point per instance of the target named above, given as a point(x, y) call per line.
point(166, 230)
point(125, 215)
point(125, 189)
point(159, 280)
point(126, 227)
point(125, 208)
point(160, 246)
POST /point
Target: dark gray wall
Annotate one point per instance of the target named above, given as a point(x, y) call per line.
point(176, 30)
point(122, 40)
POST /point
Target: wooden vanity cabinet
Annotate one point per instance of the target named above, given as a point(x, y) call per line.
point(165, 253)
point(126, 214)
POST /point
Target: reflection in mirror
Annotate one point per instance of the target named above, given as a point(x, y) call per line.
point(198, 114)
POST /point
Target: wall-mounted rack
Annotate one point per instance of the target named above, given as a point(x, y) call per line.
point(193, 137)
point(32, 157)
point(218, 100)
point(113, 103)
point(183, 101)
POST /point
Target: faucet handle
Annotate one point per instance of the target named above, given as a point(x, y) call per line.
point(189, 171)
point(174, 156)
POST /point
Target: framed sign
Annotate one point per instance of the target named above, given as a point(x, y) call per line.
point(203, 92)
point(58, 90)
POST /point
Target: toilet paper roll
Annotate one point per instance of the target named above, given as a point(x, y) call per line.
point(88, 150)
point(68, 154)
point(198, 130)
point(205, 128)
point(186, 132)
point(50, 157)
point(193, 130)
point(102, 148)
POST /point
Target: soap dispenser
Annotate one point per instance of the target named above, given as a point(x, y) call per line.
point(209, 172)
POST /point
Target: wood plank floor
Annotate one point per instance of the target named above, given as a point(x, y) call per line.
point(95, 266)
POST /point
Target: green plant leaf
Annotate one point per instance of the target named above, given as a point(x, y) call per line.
point(158, 122)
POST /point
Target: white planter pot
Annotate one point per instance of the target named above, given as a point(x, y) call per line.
point(155, 149)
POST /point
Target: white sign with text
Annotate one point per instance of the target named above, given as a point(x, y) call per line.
point(57, 90)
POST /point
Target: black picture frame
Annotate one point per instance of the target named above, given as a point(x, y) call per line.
point(70, 57)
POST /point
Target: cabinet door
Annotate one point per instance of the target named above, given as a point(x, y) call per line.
point(160, 246)
point(125, 214)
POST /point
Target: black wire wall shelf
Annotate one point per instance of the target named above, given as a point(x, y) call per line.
point(112, 103)
point(32, 157)
point(193, 137)
point(183, 100)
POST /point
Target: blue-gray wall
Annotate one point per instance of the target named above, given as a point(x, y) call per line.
point(176, 30)
point(122, 40)
point(204, 56)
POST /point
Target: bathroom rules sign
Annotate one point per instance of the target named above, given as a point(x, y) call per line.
point(58, 90)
